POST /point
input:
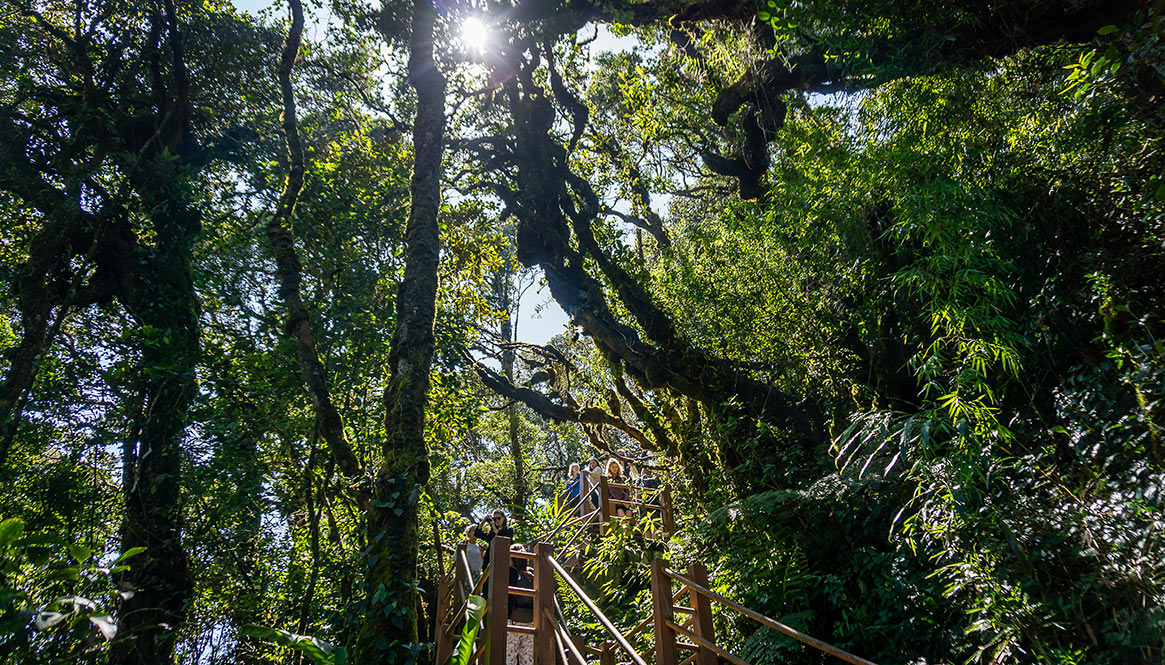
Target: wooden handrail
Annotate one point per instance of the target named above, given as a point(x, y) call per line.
point(578, 533)
point(771, 623)
point(704, 643)
point(633, 502)
point(641, 626)
point(562, 637)
point(569, 519)
point(590, 605)
point(463, 563)
point(480, 582)
point(557, 638)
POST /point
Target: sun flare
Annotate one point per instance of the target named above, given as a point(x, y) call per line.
point(474, 34)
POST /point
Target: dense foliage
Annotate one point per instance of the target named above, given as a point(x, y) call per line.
point(876, 286)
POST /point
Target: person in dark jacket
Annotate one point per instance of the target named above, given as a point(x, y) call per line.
point(520, 645)
point(491, 528)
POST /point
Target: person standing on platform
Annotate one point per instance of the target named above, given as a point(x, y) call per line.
point(591, 475)
point(574, 487)
point(497, 527)
point(618, 491)
point(520, 645)
point(473, 554)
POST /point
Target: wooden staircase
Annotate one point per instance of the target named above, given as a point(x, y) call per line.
point(684, 634)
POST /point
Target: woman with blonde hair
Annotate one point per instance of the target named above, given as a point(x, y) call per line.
point(574, 487)
point(473, 553)
point(617, 488)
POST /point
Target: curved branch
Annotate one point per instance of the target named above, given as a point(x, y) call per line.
point(289, 270)
point(590, 417)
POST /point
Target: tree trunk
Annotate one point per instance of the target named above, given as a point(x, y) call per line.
point(163, 302)
point(158, 290)
point(390, 621)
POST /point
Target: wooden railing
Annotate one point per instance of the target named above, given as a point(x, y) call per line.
point(698, 628)
point(650, 500)
point(584, 517)
point(552, 638)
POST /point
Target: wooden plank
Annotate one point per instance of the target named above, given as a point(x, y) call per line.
point(544, 636)
point(702, 615)
point(772, 623)
point(661, 601)
point(499, 597)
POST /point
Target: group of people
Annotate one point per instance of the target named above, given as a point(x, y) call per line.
point(624, 485)
point(479, 539)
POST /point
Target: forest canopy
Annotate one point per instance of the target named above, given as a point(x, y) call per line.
point(874, 288)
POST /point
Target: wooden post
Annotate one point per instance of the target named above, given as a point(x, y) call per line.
point(544, 650)
point(584, 494)
point(604, 505)
point(444, 644)
point(607, 653)
point(702, 619)
point(669, 523)
point(499, 599)
point(665, 639)
point(579, 645)
point(461, 585)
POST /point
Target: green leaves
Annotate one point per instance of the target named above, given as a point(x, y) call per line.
point(317, 650)
point(10, 530)
point(128, 554)
point(475, 610)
